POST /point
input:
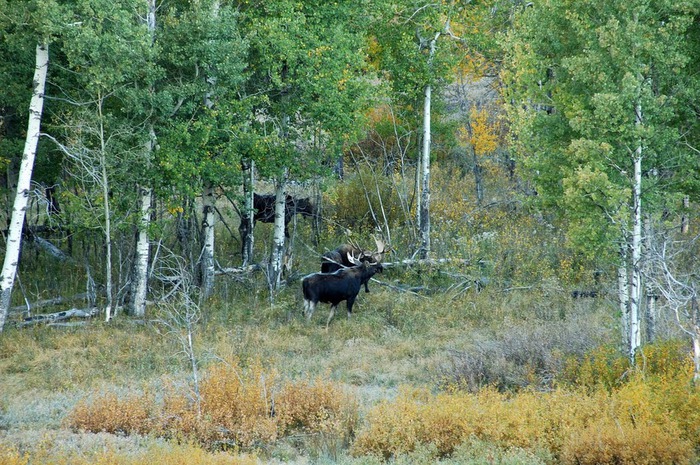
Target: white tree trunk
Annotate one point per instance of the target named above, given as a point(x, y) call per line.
point(278, 240)
point(139, 290)
point(140, 280)
point(14, 238)
point(636, 289)
point(248, 218)
point(650, 312)
point(623, 294)
point(208, 222)
point(425, 176)
point(696, 355)
point(209, 204)
point(104, 181)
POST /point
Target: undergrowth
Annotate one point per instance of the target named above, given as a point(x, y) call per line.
point(647, 414)
point(234, 407)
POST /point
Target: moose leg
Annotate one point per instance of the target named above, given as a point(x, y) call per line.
point(366, 288)
point(330, 315)
point(351, 301)
point(309, 307)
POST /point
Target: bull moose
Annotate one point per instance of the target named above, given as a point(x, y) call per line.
point(347, 254)
point(264, 206)
point(333, 288)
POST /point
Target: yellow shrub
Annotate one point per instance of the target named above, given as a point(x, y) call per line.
point(393, 427)
point(628, 426)
point(319, 407)
point(239, 402)
point(111, 413)
point(11, 456)
point(609, 441)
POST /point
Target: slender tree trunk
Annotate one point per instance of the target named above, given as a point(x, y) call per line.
point(650, 312)
point(107, 211)
point(636, 290)
point(424, 222)
point(248, 238)
point(695, 336)
point(278, 240)
point(478, 178)
point(14, 238)
point(417, 187)
point(139, 291)
point(209, 204)
point(684, 218)
point(425, 179)
point(140, 280)
point(623, 295)
point(207, 260)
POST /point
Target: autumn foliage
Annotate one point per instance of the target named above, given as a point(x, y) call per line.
point(236, 407)
point(647, 415)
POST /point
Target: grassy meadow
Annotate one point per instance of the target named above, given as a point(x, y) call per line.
point(489, 359)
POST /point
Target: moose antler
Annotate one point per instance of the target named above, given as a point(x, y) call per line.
point(353, 260)
point(381, 248)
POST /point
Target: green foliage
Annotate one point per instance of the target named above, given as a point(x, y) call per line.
point(577, 76)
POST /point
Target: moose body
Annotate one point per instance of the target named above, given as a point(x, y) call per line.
point(348, 255)
point(333, 288)
point(264, 206)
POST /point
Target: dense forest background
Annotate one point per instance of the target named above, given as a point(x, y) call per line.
point(530, 172)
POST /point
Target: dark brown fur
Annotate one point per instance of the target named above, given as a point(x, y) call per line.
point(333, 288)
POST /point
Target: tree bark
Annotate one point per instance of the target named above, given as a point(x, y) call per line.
point(478, 179)
point(424, 219)
point(9, 269)
point(140, 279)
point(278, 240)
point(207, 260)
point(650, 311)
point(248, 237)
point(636, 289)
point(139, 289)
point(623, 295)
point(107, 210)
point(425, 179)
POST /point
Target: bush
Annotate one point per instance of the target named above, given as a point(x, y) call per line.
point(115, 414)
point(631, 425)
point(319, 407)
point(236, 407)
point(523, 355)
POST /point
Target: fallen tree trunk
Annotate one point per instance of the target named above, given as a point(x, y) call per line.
point(427, 261)
point(59, 316)
point(51, 249)
point(239, 270)
point(48, 302)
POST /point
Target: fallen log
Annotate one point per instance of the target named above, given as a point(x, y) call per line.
point(427, 261)
point(239, 270)
point(48, 302)
point(52, 249)
point(59, 316)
